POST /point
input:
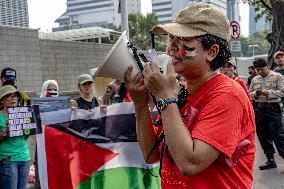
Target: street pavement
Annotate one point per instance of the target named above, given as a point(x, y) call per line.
point(267, 179)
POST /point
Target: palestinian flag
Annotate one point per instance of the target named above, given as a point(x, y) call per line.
point(94, 149)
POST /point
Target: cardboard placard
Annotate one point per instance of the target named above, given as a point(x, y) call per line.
point(24, 121)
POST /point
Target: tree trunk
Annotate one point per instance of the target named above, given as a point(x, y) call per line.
point(276, 38)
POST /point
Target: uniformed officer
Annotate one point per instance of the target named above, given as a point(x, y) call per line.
point(266, 90)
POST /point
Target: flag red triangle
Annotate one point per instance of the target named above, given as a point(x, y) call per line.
point(71, 160)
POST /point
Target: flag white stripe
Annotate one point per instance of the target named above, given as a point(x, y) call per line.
point(61, 116)
point(41, 158)
point(129, 155)
point(96, 113)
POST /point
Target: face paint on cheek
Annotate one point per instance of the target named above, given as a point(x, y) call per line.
point(187, 53)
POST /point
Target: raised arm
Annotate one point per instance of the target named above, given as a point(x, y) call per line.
point(146, 134)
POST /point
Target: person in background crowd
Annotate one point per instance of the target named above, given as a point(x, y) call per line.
point(117, 85)
point(87, 100)
point(49, 89)
point(109, 94)
point(14, 152)
point(116, 93)
point(229, 69)
point(207, 143)
point(252, 74)
point(266, 89)
point(123, 94)
point(279, 61)
point(9, 77)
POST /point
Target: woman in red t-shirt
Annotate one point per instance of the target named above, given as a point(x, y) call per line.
point(207, 144)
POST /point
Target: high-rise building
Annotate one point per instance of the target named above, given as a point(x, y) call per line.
point(89, 13)
point(14, 13)
point(233, 11)
point(166, 10)
point(259, 25)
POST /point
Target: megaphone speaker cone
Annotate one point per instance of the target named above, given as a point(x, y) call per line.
point(119, 58)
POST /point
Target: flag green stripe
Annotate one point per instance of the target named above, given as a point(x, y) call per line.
point(123, 177)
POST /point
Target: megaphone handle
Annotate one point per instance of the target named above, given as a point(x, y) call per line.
point(143, 57)
point(155, 102)
point(140, 65)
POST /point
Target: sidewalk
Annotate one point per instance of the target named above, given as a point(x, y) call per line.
point(268, 179)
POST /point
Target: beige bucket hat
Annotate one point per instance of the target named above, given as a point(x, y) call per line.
point(8, 89)
point(195, 20)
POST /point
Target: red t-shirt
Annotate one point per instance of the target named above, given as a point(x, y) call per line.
point(244, 86)
point(225, 118)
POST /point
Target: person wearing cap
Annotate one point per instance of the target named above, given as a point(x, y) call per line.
point(207, 143)
point(9, 77)
point(87, 100)
point(14, 152)
point(266, 90)
point(229, 69)
point(279, 61)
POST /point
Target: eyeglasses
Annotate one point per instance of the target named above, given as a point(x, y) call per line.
point(12, 96)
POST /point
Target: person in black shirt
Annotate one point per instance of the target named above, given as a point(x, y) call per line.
point(252, 73)
point(87, 100)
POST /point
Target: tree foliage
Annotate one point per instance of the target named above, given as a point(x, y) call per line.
point(272, 10)
point(262, 8)
point(139, 31)
point(258, 39)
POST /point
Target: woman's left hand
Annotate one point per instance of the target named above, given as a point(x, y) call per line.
point(160, 85)
point(5, 130)
point(7, 126)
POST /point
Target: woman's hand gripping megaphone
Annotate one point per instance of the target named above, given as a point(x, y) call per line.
point(136, 88)
point(160, 85)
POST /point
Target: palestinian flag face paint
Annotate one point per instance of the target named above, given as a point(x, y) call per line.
point(187, 53)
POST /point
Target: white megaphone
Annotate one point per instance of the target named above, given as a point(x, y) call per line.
point(119, 58)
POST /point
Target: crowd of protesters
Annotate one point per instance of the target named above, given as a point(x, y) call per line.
point(266, 91)
point(207, 135)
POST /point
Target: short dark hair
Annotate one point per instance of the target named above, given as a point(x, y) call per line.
point(224, 54)
point(251, 67)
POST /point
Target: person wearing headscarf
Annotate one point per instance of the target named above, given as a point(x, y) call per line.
point(49, 89)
